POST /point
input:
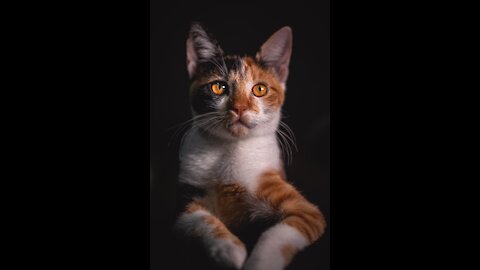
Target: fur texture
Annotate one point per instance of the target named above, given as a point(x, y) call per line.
point(233, 155)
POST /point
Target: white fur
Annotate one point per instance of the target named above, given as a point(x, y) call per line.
point(206, 160)
point(227, 253)
point(223, 251)
point(189, 221)
point(267, 253)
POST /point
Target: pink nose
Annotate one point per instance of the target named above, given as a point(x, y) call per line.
point(239, 108)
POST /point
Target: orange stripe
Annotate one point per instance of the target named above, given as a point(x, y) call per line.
point(220, 231)
point(194, 206)
point(218, 227)
point(296, 210)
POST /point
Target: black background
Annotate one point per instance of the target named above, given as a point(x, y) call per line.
point(76, 190)
point(240, 28)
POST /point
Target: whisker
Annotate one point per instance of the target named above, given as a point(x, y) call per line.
point(204, 124)
point(282, 147)
point(183, 126)
point(213, 125)
point(287, 140)
point(194, 126)
point(288, 150)
point(191, 119)
point(223, 68)
point(185, 135)
point(288, 129)
point(207, 126)
point(290, 134)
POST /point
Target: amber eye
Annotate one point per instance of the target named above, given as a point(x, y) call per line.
point(260, 90)
point(218, 87)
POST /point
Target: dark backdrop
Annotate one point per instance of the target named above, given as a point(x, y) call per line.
point(240, 28)
point(80, 140)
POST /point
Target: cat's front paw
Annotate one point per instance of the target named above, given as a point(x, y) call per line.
point(263, 265)
point(229, 253)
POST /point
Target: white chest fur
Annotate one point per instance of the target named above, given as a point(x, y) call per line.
point(204, 161)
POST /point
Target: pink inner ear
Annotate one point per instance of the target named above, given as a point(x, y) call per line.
point(191, 58)
point(276, 51)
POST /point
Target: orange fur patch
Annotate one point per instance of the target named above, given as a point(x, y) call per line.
point(231, 206)
point(220, 230)
point(218, 227)
point(296, 210)
point(276, 94)
point(194, 206)
point(243, 100)
point(225, 201)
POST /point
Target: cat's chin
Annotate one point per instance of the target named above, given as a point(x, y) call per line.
point(238, 129)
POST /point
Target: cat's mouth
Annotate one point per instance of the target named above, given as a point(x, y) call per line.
point(238, 126)
point(238, 122)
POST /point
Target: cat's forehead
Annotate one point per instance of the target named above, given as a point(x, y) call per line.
point(234, 63)
point(241, 68)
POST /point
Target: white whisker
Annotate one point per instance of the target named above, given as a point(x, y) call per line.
point(287, 141)
point(188, 124)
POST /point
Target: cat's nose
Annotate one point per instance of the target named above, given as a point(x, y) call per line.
point(239, 108)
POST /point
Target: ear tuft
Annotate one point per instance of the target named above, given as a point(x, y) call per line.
point(201, 47)
point(276, 52)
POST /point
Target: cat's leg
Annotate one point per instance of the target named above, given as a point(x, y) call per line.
point(223, 246)
point(301, 224)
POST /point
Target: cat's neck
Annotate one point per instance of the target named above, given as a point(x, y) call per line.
point(198, 140)
point(233, 141)
point(206, 158)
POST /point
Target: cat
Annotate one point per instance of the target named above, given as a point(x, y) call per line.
point(231, 154)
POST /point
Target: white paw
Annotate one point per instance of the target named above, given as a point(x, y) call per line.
point(271, 264)
point(270, 260)
point(227, 253)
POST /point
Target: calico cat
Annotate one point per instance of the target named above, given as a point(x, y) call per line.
point(232, 155)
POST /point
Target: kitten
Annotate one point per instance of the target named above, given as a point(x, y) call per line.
point(232, 155)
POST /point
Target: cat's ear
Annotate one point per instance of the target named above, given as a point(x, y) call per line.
point(276, 52)
point(201, 47)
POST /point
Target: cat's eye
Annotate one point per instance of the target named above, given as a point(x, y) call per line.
point(218, 88)
point(260, 90)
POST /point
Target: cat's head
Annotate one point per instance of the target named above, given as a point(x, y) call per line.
point(237, 97)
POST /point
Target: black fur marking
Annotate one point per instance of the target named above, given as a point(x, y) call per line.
point(208, 69)
point(233, 63)
point(204, 100)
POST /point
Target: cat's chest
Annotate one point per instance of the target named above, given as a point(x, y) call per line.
point(204, 162)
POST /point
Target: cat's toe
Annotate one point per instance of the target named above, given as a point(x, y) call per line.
point(229, 254)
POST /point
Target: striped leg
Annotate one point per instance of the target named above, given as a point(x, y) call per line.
point(224, 247)
point(302, 224)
